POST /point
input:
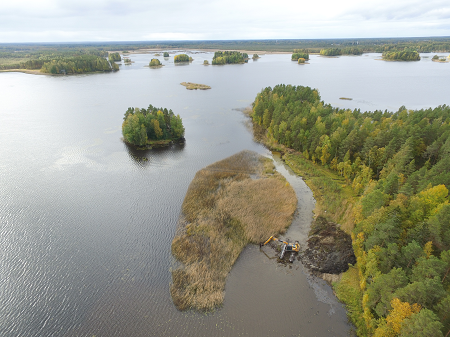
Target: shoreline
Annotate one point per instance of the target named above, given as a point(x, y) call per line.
point(26, 71)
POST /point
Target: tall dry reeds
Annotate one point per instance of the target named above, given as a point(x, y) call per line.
point(229, 204)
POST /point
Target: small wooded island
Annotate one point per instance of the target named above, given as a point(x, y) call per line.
point(182, 58)
point(341, 51)
point(300, 54)
point(152, 127)
point(155, 63)
point(229, 57)
point(403, 55)
point(229, 204)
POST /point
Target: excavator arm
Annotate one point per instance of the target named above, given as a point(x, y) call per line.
point(287, 247)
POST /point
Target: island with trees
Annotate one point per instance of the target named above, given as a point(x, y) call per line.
point(229, 57)
point(255, 56)
point(300, 53)
point(341, 51)
point(152, 127)
point(78, 65)
point(182, 58)
point(166, 54)
point(155, 63)
point(403, 55)
point(383, 176)
point(436, 58)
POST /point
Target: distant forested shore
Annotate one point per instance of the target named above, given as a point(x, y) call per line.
point(87, 57)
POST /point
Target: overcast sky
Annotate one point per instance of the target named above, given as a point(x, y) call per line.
point(141, 20)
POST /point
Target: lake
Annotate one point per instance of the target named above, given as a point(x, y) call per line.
point(86, 223)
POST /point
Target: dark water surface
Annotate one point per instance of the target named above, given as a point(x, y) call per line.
point(86, 224)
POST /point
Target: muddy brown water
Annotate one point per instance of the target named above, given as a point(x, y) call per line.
point(86, 223)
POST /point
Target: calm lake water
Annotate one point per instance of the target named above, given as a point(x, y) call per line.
point(86, 224)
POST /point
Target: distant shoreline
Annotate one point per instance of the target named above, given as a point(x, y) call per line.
point(26, 71)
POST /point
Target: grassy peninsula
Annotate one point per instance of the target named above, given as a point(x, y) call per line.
point(229, 204)
point(384, 177)
point(195, 86)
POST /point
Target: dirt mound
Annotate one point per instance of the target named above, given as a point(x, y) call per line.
point(329, 248)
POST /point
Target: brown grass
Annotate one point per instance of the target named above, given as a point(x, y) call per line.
point(229, 204)
point(195, 86)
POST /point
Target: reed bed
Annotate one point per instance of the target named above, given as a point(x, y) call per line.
point(229, 204)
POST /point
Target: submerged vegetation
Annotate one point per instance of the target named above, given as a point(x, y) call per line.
point(195, 86)
point(384, 176)
point(229, 204)
point(143, 127)
point(229, 57)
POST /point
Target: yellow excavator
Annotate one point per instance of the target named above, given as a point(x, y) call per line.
point(287, 247)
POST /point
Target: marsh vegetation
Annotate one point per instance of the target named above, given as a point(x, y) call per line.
point(229, 204)
point(195, 86)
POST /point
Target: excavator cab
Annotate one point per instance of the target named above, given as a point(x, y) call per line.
point(286, 247)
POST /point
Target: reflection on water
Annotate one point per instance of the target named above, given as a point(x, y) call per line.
point(152, 157)
point(85, 230)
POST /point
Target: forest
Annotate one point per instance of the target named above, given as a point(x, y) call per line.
point(396, 164)
point(78, 65)
point(142, 126)
point(55, 61)
point(403, 55)
point(114, 57)
point(229, 57)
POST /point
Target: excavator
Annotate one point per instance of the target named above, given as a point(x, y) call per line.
point(287, 247)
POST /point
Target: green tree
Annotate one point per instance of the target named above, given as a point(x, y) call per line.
point(422, 324)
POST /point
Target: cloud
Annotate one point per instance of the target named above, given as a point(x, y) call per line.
point(140, 20)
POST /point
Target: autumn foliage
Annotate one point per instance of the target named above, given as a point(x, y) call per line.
point(397, 165)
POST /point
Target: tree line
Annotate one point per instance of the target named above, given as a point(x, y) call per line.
point(78, 65)
point(341, 51)
point(397, 164)
point(143, 125)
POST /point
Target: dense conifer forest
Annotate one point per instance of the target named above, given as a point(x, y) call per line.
point(397, 164)
point(142, 126)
